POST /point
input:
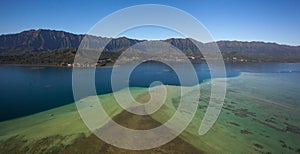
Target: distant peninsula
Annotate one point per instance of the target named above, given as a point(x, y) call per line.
point(51, 47)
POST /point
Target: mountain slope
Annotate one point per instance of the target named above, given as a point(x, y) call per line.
point(46, 41)
point(38, 40)
point(260, 49)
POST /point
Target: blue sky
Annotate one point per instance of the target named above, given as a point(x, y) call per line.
point(246, 20)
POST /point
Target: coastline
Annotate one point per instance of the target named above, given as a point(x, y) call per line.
point(51, 65)
point(112, 64)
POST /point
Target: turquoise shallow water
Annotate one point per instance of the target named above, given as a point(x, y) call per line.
point(261, 114)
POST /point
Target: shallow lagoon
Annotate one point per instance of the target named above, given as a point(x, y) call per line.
point(261, 114)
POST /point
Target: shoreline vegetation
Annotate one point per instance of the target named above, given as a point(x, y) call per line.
point(108, 65)
point(111, 64)
point(248, 123)
point(109, 59)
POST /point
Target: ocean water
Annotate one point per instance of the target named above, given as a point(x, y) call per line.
point(25, 90)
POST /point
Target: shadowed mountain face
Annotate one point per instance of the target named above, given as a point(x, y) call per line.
point(50, 40)
point(38, 40)
point(260, 49)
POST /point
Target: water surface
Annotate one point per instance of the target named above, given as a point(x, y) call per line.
point(26, 90)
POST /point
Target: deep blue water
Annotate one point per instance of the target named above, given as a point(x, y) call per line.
point(26, 90)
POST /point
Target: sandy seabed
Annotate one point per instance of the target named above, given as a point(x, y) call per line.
point(260, 115)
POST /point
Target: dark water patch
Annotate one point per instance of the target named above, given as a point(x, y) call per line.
point(227, 108)
point(202, 106)
point(258, 146)
point(244, 131)
point(283, 144)
point(243, 113)
point(258, 151)
point(279, 116)
point(239, 112)
point(271, 120)
point(233, 91)
point(233, 102)
point(292, 128)
point(261, 134)
point(203, 99)
point(233, 123)
point(267, 124)
point(176, 101)
point(230, 106)
point(262, 152)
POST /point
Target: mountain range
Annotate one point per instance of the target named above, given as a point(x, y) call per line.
point(15, 48)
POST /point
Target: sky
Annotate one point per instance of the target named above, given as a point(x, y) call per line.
point(244, 20)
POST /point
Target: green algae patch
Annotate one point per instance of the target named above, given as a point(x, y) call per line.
point(251, 121)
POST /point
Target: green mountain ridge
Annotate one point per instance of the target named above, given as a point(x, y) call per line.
point(55, 47)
